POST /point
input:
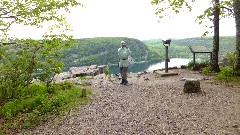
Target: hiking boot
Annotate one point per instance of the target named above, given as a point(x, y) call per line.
point(122, 81)
point(125, 82)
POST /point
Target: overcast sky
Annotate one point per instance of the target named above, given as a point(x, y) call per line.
point(131, 18)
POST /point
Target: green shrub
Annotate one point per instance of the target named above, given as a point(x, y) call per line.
point(226, 71)
point(53, 88)
point(108, 72)
point(232, 58)
point(59, 101)
point(66, 85)
point(204, 64)
point(228, 74)
point(200, 65)
point(206, 70)
point(190, 64)
point(39, 100)
point(9, 109)
point(36, 89)
point(38, 103)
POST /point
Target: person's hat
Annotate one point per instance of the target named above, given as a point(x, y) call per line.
point(122, 42)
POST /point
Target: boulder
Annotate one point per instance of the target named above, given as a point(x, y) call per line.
point(192, 86)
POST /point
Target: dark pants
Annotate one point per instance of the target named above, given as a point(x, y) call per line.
point(123, 71)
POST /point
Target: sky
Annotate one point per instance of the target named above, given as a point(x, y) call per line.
point(133, 19)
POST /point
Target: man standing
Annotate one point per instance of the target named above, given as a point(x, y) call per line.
point(123, 54)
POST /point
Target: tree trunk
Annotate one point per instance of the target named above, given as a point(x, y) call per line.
point(216, 12)
point(236, 8)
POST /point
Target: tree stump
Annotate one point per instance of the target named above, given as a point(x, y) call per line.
point(84, 92)
point(101, 69)
point(192, 86)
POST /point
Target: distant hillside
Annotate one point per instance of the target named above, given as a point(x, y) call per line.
point(179, 47)
point(226, 43)
point(101, 50)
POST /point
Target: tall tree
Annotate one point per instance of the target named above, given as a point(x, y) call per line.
point(236, 8)
point(215, 50)
point(212, 13)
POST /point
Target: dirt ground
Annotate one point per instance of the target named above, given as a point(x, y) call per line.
point(151, 104)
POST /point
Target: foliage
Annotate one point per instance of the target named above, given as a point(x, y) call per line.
point(24, 104)
point(206, 70)
point(179, 47)
point(34, 12)
point(178, 6)
point(226, 11)
point(21, 61)
point(93, 51)
point(227, 43)
point(27, 60)
point(108, 72)
point(228, 74)
point(232, 58)
point(218, 10)
point(204, 66)
point(30, 110)
point(200, 65)
point(175, 5)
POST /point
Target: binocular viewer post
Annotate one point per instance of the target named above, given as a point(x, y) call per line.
point(166, 43)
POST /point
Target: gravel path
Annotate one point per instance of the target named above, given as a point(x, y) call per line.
point(153, 105)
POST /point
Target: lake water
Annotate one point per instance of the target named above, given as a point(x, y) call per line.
point(139, 67)
point(173, 63)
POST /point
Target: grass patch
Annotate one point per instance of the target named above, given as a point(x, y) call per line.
point(38, 104)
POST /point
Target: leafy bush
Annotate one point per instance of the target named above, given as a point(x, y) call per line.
point(27, 60)
point(200, 65)
point(190, 64)
point(232, 58)
point(31, 108)
point(228, 74)
point(10, 109)
point(59, 101)
point(204, 64)
point(35, 89)
point(108, 72)
point(66, 85)
point(206, 70)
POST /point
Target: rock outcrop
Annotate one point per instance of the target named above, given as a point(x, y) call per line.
point(74, 72)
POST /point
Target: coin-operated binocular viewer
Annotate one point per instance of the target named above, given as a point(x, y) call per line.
point(166, 43)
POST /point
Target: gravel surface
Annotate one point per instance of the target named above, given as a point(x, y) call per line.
point(153, 105)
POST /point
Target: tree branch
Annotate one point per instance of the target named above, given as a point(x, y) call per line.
point(8, 17)
point(7, 27)
point(229, 10)
point(4, 12)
